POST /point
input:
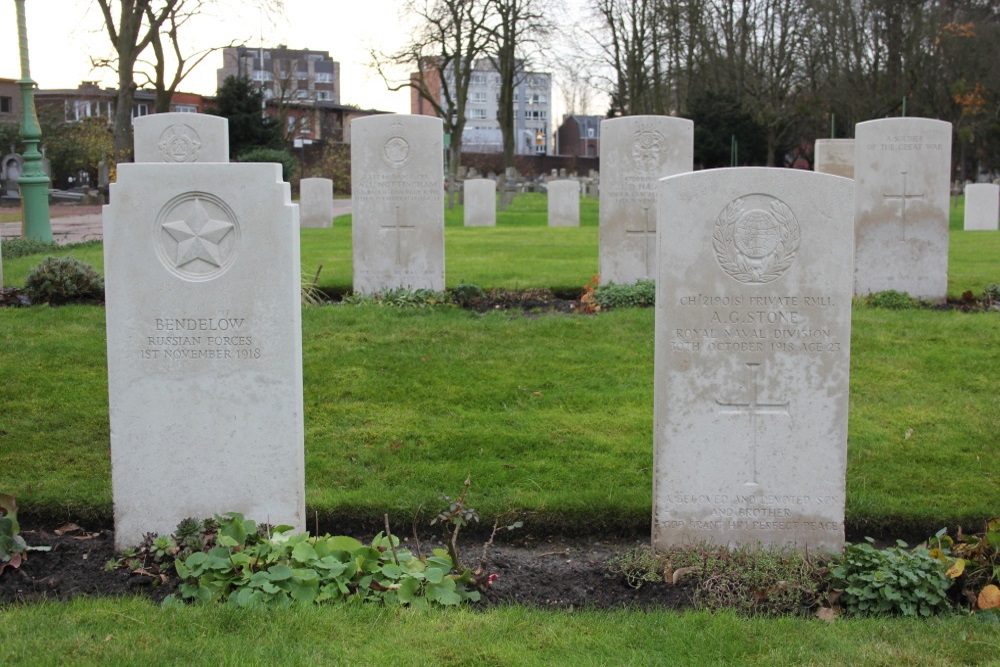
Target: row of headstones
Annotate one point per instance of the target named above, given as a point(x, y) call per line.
point(754, 280)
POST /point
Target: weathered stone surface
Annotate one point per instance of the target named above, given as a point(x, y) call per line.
point(181, 138)
point(753, 334)
point(397, 181)
point(982, 207)
point(564, 203)
point(316, 202)
point(480, 202)
point(901, 172)
point(834, 156)
point(636, 151)
point(204, 346)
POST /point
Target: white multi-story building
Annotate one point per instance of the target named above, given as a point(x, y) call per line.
point(283, 73)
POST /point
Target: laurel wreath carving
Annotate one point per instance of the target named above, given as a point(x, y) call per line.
point(739, 266)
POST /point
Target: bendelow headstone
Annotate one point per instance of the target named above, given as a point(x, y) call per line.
point(397, 184)
point(901, 174)
point(480, 202)
point(982, 207)
point(204, 346)
point(181, 138)
point(564, 203)
point(752, 358)
point(834, 156)
point(636, 151)
point(316, 202)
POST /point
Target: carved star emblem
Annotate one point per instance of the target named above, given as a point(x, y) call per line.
point(198, 236)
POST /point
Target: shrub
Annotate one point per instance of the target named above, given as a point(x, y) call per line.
point(399, 297)
point(22, 247)
point(892, 300)
point(58, 280)
point(642, 294)
point(892, 580)
point(992, 293)
point(282, 157)
point(464, 294)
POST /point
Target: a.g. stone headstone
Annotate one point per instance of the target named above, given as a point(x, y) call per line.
point(834, 156)
point(204, 346)
point(752, 357)
point(480, 202)
point(982, 206)
point(316, 202)
point(564, 203)
point(397, 186)
point(636, 151)
point(181, 137)
point(901, 175)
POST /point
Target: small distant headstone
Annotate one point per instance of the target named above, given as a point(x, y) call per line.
point(564, 203)
point(834, 156)
point(316, 202)
point(902, 171)
point(982, 206)
point(753, 335)
point(181, 138)
point(480, 203)
point(204, 346)
point(398, 209)
point(636, 151)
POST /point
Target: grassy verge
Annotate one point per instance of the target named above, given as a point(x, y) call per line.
point(134, 632)
point(551, 415)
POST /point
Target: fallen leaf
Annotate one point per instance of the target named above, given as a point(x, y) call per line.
point(142, 570)
point(826, 614)
point(957, 568)
point(108, 638)
point(989, 597)
point(88, 536)
point(536, 393)
point(909, 434)
point(680, 572)
point(68, 528)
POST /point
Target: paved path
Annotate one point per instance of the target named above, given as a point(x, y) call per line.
point(72, 223)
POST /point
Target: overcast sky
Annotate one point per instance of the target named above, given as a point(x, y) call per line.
point(64, 34)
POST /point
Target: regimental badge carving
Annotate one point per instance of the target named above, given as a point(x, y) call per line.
point(648, 147)
point(395, 148)
point(756, 238)
point(179, 143)
point(197, 236)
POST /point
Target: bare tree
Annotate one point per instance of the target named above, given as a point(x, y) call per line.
point(449, 37)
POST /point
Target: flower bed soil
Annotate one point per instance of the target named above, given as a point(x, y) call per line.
point(554, 573)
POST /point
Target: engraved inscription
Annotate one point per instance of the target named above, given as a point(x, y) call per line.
point(754, 407)
point(395, 147)
point(396, 188)
point(199, 338)
point(196, 236)
point(756, 238)
point(648, 147)
point(179, 143)
point(754, 511)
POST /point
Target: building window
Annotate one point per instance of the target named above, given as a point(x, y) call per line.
point(301, 94)
point(324, 77)
point(260, 75)
point(476, 114)
point(6, 104)
point(590, 133)
point(184, 108)
point(323, 95)
point(478, 80)
point(478, 96)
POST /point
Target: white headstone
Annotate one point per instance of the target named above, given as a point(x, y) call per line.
point(397, 186)
point(181, 137)
point(901, 177)
point(564, 203)
point(316, 202)
point(636, 151)
point(753, 335)
point(982, 206)
point(834, 156)
point(480, 203)
point(204, 346)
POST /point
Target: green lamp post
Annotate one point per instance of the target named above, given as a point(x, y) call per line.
point(33, 181)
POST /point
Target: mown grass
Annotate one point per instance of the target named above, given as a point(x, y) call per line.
point(130, 631)
point(552, 415)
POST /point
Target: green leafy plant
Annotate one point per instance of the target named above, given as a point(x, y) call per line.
point(279, 569)
point(892, 300)
point(13, 549)
point(991, 294)
point(59, 280)
point(283, 157)
point(399, 297)
point(891, 580)
point(641, 294)
point(973, 561)
point(455, 516)
point(464, 294)
point(22, 247)
point(638, 566)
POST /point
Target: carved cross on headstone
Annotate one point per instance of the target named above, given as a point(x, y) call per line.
point(399, 228)
point(903, 197)
point(754, 407)
point(648, 233)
